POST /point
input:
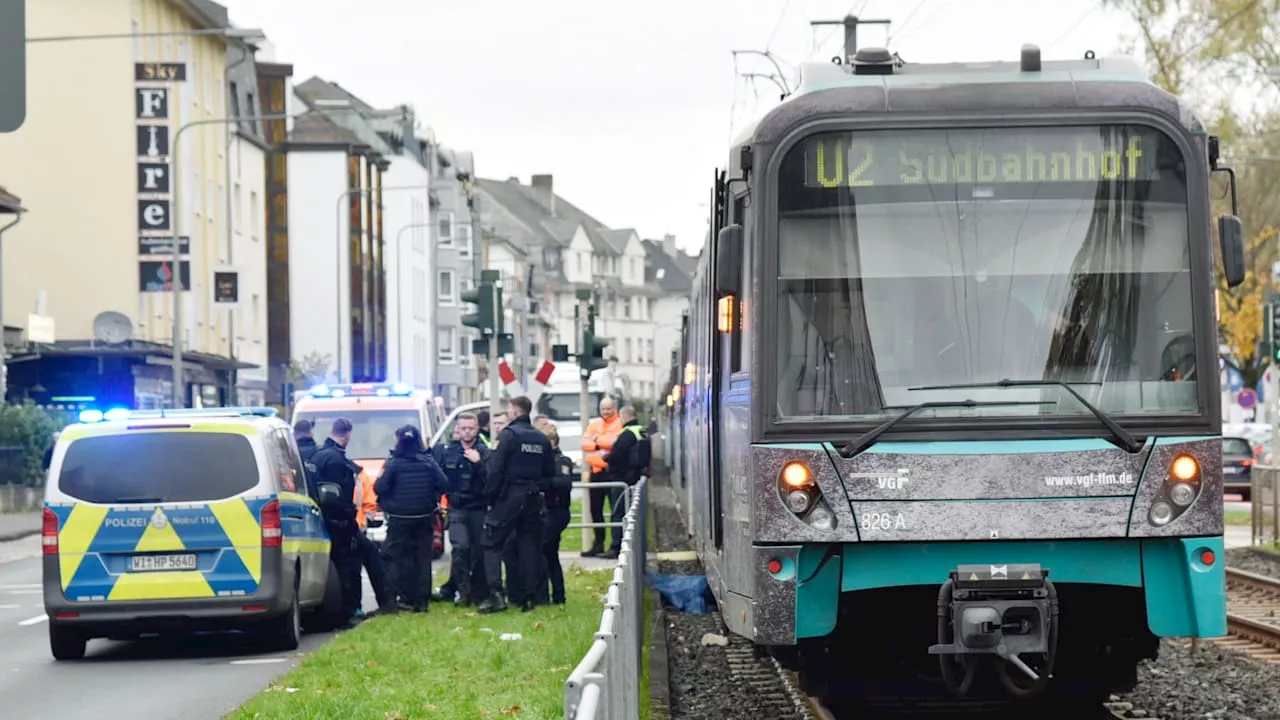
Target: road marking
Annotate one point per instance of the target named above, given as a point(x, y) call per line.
point(25, 592)
point(34, 621)
point(9, 607)
point(22, 586)
point(259, 661)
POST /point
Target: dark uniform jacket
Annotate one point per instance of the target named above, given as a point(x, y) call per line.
point(466, 479)
point(410, 486)
point(523, 456)
point(626, 459)
point(307, 449)
point(561, 486)
point(333, 466)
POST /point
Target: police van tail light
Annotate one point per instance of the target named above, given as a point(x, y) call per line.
point(49, 532)
point(272, 532)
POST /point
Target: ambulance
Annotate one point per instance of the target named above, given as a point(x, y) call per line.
point(376, 411)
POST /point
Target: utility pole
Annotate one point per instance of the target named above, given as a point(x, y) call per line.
point(850, 23)
point(493, 279)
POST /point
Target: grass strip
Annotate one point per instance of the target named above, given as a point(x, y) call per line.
point(450, 663)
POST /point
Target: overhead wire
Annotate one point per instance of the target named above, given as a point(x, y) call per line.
point(1072, 28)
point(933, 15)
point(777, 25)
point(907, 21)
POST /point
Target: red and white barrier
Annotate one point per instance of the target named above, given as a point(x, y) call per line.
point(539, 384)
point(509, 381)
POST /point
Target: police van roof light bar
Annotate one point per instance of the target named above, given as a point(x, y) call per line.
point(120, 414)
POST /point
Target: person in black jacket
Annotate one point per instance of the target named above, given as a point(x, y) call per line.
point(557, 519)
point(307, 448)
point(520, 470)
point(463, 461)
point(408, 491)
point(626, 460)
point(333, 466)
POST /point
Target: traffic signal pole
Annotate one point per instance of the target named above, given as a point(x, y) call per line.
point(495, 386)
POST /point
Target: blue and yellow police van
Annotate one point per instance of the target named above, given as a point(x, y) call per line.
point(167, 521)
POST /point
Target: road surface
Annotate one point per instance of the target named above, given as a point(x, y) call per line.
point(197, 678)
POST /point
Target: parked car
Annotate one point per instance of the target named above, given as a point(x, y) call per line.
point(1237, 465)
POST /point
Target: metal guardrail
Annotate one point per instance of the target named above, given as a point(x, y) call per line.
point(1264, 497)
point(606, 683)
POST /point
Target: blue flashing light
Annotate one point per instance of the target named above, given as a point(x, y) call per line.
point(402, 389)
point(116, 414)
point(382, 392)
point(90, 416)
point(319, 391)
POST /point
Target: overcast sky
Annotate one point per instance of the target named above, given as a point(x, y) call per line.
point(628, 104)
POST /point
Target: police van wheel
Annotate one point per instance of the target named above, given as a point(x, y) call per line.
point(329, 614)
point(66, 643)
point(285, 632)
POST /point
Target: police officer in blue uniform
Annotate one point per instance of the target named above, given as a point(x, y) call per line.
point(519, 472)
point(333, 466)
point(463, 461)
point(557, 497)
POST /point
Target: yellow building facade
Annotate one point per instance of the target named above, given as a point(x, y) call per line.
point(94, 162)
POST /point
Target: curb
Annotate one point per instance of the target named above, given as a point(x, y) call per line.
point(18, 535)
point(659, 675)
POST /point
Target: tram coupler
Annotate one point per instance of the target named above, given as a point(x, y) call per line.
point(1001, 610)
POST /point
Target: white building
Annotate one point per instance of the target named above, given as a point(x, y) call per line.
point(570, 250)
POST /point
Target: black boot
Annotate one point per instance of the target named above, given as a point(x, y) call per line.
point(527, 606)
point(594, 551)
point(494, 604)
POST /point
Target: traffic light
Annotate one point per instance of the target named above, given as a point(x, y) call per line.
point(1271, 313)
point(483, 319)
point(591, 354)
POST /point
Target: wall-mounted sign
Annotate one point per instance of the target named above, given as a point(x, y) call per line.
point(151, 103)
point(160, 72)
point(156, 276)
point(153, 141)
point(153, 178)
point(153, 214)
point(162, 245)
point(151, 106)
point(226, 287)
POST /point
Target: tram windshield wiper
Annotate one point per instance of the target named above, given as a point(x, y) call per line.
point(867, 439)
point(1126, 441)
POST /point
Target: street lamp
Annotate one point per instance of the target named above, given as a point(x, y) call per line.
point(175, 284)
point(400, 294)
point(345, 194)
point(247, 35)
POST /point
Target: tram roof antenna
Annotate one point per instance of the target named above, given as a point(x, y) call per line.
point(850, 23)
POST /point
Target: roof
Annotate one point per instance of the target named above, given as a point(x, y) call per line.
point(318, 129)
point(315, 88)
point(129, 348)
point(529, 212)
point(662, 270)
point(9, 203)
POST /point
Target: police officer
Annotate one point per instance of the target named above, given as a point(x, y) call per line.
point(557, 498)
point(333, 466)
point(463, 461)
point(519, 470)
point(625, 461)
point(302, 429)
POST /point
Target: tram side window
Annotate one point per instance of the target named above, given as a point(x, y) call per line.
point(735, 337)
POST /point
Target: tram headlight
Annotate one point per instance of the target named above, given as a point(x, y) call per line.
point(798, 501)
point(1182, 494)
point(1161, 513)
point(822, 518)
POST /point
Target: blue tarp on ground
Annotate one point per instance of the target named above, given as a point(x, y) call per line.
point(686, 593)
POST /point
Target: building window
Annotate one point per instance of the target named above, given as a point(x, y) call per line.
point(626, 350)
point(464, 350)
point(626, 308)
point(446, 229)
point(255, 215)
point(235, 100)
point(447, 341)
point(251, 109)
point(648, 344)
point(464, 240)
point(445, 292)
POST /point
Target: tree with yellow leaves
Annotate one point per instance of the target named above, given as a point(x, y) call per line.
point(1208, 50)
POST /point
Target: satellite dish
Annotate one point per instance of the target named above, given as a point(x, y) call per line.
point(112, 327)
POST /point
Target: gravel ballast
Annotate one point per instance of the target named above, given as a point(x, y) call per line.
point(1209, 684)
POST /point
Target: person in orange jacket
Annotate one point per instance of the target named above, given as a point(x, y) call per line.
point(601, 433)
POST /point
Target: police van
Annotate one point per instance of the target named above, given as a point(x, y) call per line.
point(177, 520)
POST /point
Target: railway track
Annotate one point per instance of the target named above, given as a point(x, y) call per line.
point(1253, 615)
